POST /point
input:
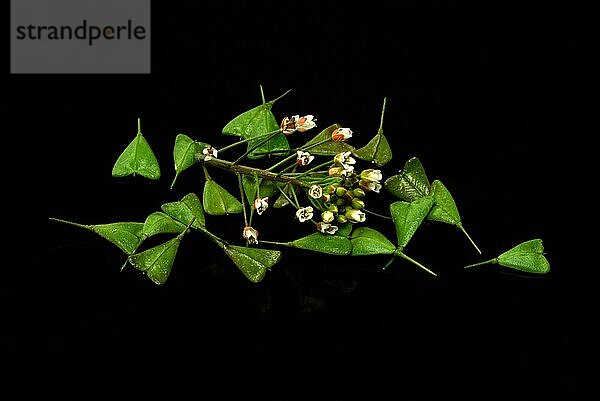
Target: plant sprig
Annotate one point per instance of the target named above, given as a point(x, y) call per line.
point(329, 194)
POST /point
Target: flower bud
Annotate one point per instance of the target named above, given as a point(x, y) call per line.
point(327, 216)
point(333, 209)
point(336, 171)
point(340, 202)
point(330, 189)
point(358, 192)
point(342, 219)
point(340, 191)
point(358, 203)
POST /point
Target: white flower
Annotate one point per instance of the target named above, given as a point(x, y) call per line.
point(250, 235)
point(371, 175)
point(345, 160)
point(315, 191)
point(288, 125)
point(261, 204)
point(370, 186)
point(209, 152)
point(327, 216)
point(305, 123)
point(355, 216)
point(305, 213)
point(304, 158)
point(341, 134)
point(326, 228)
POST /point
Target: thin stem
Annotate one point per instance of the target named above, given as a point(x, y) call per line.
point(274, 243)
point(267, 175)
point(295, 196)
point(242, 195)
point(256, 195)
point(262, 94)
point(184, 232)
point(293, 153)
point(222, 243)
point(310, 170)
point(277, 98)
point(88, 227)
point(377, 214)
point(313, 145)
point(382, 113)
point(246, 140)
point(487, 262)
point(388, 264)
point(459, 225)
point(139, 125)
point(411, 260)
point(288, 198)
point(206, 175)
point(271, 136)
point(290, 167)
point(283, 161)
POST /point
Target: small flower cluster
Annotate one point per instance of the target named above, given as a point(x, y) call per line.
point(342, 202)
point(338, 203)
point(289, 125)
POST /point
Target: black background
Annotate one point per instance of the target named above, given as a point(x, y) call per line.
point(483, 94)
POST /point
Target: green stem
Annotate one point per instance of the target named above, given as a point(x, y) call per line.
point(139, 125)
point(310, 170)
point(388, 264)
point(295, 196)
point(277, 98)
point(294, 153)
point(459, 225)
point(271, 136)
point(206, 175)
point(382, 113)
point(220, 242)
point(283, 161)
point(376, 214)
point(274, 243)
point(184, 232)
point(313, 145)
point(246, 140)
point(87, 227)
point(262, 94)
point(411, 260)
point(487, 262)
point(243, 196)
point(267, 175)
point(288, 198)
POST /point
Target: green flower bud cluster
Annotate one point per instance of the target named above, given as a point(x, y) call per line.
point(343, 204)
